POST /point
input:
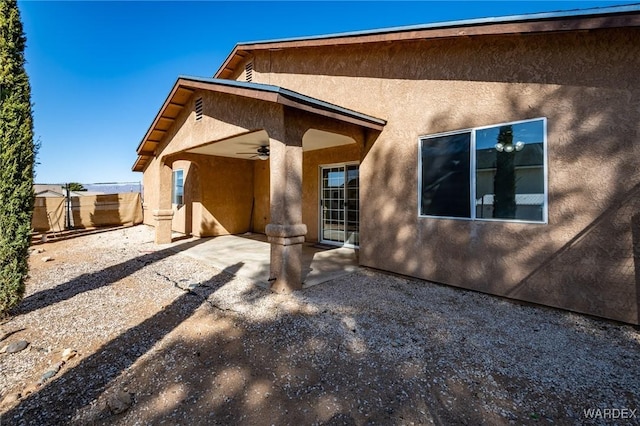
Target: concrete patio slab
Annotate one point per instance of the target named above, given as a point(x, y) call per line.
point(247, 256)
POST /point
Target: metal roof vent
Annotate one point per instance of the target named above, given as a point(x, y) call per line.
point(199, 109)
point(248, 71)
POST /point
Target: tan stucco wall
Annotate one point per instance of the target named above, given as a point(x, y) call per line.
point(224, 116)
point(312, 160)
point(150, 185)
point(218, 194)
point(261, 205)
point(225, 195)
point(584, 83)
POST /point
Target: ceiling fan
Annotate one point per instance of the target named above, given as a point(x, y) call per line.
point(262, 153)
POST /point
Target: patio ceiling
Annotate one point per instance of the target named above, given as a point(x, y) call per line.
point(245, 146)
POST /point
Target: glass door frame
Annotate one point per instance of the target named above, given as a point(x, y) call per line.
point(321, 239)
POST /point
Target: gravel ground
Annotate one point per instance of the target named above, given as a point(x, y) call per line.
point(123, 332)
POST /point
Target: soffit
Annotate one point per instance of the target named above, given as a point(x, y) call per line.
point(173, 105)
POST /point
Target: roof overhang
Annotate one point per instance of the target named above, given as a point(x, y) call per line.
point(574, 20)
point(185, 86)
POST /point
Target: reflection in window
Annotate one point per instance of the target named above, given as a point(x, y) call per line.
point(508, 172)
point(177, 187)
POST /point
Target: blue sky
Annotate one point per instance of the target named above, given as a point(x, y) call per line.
point(100, 71)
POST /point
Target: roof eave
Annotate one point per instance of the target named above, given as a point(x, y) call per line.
point(575, 20)
point(226, 64)
point(166, 102)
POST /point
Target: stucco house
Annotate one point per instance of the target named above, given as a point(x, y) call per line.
point(499, 155)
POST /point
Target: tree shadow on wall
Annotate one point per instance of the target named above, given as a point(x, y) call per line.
point(583, 259)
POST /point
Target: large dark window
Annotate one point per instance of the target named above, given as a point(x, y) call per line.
point(445, 175)
point(493, 172)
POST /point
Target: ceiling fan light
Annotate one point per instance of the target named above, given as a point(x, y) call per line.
point(263, 156)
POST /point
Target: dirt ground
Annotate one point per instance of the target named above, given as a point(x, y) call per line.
point(161, 338)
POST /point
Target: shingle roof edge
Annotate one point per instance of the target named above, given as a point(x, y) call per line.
point(574, 13)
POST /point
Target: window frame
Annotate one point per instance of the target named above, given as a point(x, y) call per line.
point(472, 173)
point(174, 186)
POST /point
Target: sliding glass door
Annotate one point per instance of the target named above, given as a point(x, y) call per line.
point(340, 205)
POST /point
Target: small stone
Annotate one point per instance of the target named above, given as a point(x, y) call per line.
point(119, 402)
point(47, 259)
point(47, 375)
point(350, 324)
point(16, 346)
point(68, 353)
point(30, 389)
point(51, 372)
point(11, 398)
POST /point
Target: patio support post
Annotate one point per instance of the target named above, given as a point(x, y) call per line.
point(164, 215)
point(286, 231)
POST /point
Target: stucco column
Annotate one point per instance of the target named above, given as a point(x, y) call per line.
point(164, 214)
point(286, 231)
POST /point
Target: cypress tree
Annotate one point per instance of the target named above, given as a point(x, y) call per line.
point(17, 155)
point(504, 181)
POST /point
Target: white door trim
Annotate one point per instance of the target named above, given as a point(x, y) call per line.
point(321, 238)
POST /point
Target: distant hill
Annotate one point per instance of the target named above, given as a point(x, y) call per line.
point(91, 189)
point(114, 188)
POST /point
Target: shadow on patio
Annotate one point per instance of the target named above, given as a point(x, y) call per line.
point(247, 256)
